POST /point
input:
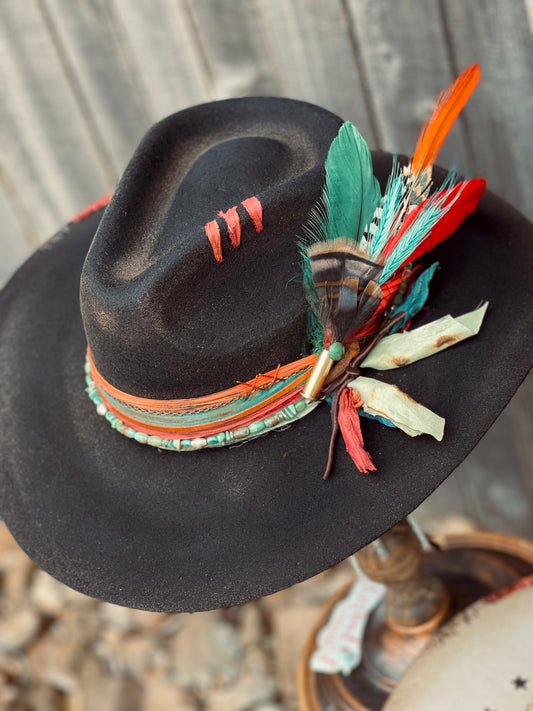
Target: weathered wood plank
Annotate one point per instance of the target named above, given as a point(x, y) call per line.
point(168, 61)
point(233, 45)
point(406, 63)
point(46, 148)
point(529, 11)
point(494, 485)
point(15, 248)
point(498, 35)
point(313, 54)
point(499, 482)
point(95, 62)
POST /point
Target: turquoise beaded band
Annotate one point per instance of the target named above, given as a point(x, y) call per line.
point(282, 418)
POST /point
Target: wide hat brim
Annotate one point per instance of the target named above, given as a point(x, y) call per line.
point(158, 530)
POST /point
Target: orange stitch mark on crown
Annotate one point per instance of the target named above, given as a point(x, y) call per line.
point(234, 225)
point(213, 235)
point(255, 211)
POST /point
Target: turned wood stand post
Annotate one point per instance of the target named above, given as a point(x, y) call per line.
point(416, 603)
point(424, 589)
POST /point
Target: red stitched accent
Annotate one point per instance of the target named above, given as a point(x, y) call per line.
point(253, 386)
point(275, 376)
point(233, 221)
point(254, 209)
point(92, 208)
point(213, 235)
point(234, 225)
point(271, 379)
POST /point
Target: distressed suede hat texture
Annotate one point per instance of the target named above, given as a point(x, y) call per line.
point(162, 530)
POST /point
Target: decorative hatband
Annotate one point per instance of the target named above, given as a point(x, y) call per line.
point(235, 415)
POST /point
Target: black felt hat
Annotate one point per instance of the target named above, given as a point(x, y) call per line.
point(162, 530)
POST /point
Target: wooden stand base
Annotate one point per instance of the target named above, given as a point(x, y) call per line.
point(470, 565)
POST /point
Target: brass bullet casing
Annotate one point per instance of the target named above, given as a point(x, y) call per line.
point(316, 378)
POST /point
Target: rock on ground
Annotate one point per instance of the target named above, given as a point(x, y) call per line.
point(63, 651)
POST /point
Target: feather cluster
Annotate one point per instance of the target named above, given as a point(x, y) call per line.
point(357, 244)
point(357, 241)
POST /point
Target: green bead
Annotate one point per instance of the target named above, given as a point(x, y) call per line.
point(87, 366)
point(185, 444)
point(221, 437)
point(300, 405)
point(155, 441)
point(336, 351)
point(272, 421)
point(256, 427)
point(289, 412)
point(212, 440)
point(110, 417)
point(141, 437)
point(129, 432)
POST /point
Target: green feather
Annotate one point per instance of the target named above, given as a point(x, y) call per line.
point(351, 193)
point(349, 199)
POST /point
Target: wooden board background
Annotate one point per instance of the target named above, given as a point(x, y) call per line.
point(81, 81)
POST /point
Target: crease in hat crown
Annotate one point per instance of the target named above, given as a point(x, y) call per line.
point(357, 250)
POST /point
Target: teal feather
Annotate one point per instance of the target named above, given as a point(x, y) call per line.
point(315, 334)
point(379, 418)
point(391, 207)
point(351, 193)
point(416, 298)
point(347, 205)
point(433, 209)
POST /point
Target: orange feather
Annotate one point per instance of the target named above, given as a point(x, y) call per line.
point(447, 108)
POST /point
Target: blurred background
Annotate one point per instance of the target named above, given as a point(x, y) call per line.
point(80, 83)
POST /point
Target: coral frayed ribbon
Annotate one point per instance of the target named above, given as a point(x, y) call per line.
point(349, 424)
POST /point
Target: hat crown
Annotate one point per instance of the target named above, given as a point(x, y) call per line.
point(162, 317)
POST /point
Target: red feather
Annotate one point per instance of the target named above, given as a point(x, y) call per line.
point(466, 195)
point(407, 222)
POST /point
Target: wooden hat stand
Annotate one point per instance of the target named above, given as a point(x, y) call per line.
point(424, 589)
